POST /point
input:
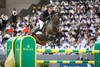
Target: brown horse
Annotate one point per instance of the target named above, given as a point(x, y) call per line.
point(50, 31)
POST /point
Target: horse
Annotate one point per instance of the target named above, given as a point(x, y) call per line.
point(50, 31)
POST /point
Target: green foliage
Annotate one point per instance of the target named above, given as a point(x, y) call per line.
point(2, 64)
point(43, 65)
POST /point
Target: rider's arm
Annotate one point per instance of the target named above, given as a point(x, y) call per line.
point(44, 16)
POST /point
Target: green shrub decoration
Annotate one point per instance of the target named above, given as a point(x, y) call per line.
point(2, 64)
point(43, 65)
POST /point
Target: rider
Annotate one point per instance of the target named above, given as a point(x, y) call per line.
point(47, 14)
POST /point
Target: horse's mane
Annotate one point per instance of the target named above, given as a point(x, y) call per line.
point(55, 19)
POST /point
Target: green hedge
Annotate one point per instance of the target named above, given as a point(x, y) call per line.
point(2, 64)
point(43, 65)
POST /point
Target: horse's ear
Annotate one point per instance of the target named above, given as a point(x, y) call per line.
point(56, 13)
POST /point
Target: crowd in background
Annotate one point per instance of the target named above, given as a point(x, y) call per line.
point(80, 24)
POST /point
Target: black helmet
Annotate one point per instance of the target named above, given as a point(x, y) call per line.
point(49, 6)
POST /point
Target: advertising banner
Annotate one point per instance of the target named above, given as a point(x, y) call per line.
point(76, 65)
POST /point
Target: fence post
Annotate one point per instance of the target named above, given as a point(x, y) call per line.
point(10, 45)
point(97, 55)
point(25, 52)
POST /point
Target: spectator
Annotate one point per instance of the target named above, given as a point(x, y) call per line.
point(14, 15)
point(80, 58)
point(86, 59)
point(0, 37)
point(4, 20)
point(0, 23)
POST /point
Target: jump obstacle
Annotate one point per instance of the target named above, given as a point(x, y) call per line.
point(67, 51)
point(25, 52)
point(52, 61)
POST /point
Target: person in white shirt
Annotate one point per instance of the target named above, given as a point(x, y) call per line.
point(4, 17)
point(57, 2)
point(51, 2)
point(4, 20)
point(97, 20)
point(0, 37)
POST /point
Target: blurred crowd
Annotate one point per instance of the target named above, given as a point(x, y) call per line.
point(80, 24)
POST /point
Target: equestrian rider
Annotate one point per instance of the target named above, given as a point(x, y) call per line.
point(45, 17)
point(47, 14)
